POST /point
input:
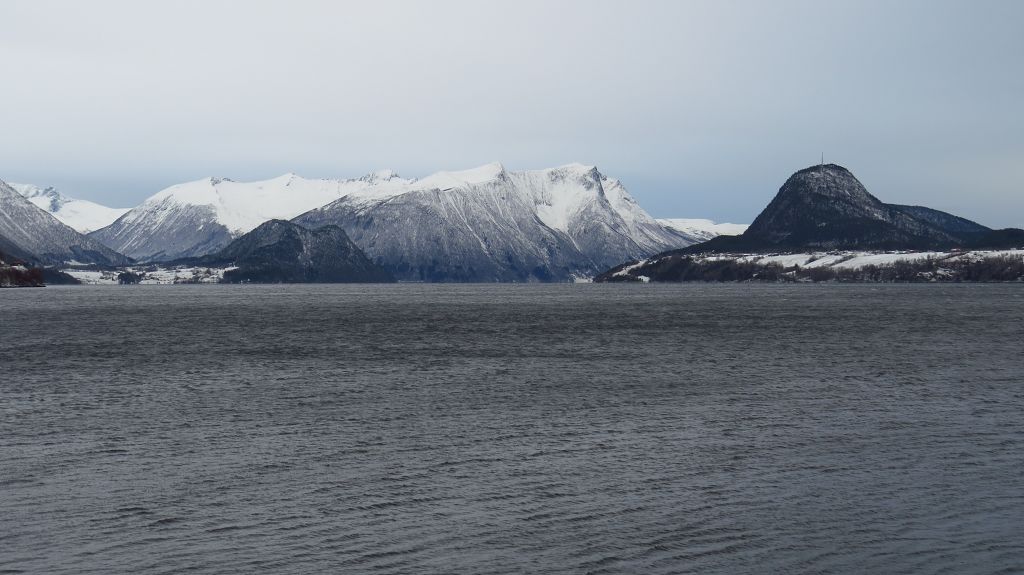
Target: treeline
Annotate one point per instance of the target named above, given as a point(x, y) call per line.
point(991, 269)
point(15, 272)
point(688, 269)
point(11, 276)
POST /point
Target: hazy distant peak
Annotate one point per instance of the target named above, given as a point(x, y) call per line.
point(48, 198)
point(82, 215)
point(377, 176)
point(35, 232)
point(703, 229)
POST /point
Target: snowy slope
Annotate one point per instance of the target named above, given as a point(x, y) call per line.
point(491, 224)
point(703, 229)
point(202, 217)
point(241, 207)
point(581, 202)
point(82, 215)
point(36, 233)
point(471, 232)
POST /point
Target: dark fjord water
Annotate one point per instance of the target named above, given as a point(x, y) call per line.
point(512, 429)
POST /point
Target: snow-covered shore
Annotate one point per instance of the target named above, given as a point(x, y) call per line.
point(954, 265)
point(150, 275)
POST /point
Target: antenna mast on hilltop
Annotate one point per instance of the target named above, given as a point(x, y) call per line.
point(821, 174)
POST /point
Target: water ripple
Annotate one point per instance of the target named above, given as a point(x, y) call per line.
point(512, 429)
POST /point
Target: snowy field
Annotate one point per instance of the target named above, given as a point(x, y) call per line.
point(848, 260)
point(843, 260)
point(157, 276)
point(857, 259)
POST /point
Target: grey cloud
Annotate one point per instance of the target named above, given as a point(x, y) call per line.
point(702, 108)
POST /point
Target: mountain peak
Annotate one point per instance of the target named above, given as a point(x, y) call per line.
point(819, 168)
point(576, 170)
point(48, 198)
point(830, 180)
point(82, 215)
point(32, 190)
point(378, 176)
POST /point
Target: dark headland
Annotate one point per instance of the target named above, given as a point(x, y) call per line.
point(824, 209)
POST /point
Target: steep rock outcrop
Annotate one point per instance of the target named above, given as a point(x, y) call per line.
point(282, 252)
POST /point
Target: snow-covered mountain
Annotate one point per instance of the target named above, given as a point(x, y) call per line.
point(541, 224)
point(491, 224)
point(202, 217)
point(37, 235)
point(82, 215)
point(703, 229)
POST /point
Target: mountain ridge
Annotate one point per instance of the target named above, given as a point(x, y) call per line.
point(554, 224)
point(569, 221)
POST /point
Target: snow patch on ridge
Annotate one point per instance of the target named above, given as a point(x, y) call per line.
point(558, 194)
point(241, 207)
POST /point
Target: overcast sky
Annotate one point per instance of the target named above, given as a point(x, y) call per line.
point(702, 108)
